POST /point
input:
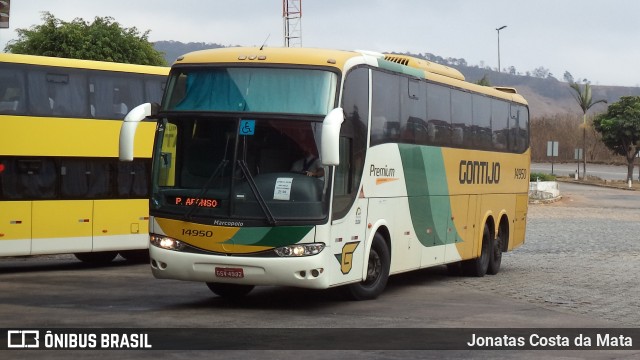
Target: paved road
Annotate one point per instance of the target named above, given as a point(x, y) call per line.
point(608, 172)
point(582, 255)
point(577, 269)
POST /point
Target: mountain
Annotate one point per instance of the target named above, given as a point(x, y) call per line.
point(547, 96)
point(173, 49)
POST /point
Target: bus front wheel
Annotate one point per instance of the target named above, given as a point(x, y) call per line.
point(229, 291)
point(377, 273)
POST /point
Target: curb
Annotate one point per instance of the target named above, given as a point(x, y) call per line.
point(545, 201)
point(571, 181)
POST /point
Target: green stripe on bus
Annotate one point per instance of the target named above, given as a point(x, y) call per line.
point(270, 236)
point(428, 194)
point(390, 65)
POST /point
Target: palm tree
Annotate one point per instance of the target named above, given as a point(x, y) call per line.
point(585, 101)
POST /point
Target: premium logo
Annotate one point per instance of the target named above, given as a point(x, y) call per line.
point(382, 171)
point(383, 174)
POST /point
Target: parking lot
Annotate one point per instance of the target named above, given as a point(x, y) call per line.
point(577, 269)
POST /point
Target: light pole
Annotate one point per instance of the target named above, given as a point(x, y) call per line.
point(498, 30)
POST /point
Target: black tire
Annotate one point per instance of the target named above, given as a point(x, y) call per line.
point(97, 258)
point(478, 267)
point(136, 256)
point(496, 253)
point(377, 273)
point(229, 291)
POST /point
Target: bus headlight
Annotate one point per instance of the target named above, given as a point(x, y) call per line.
point(299, 250)
point(166, 242)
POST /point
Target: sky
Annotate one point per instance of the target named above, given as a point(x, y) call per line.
point(594, 40)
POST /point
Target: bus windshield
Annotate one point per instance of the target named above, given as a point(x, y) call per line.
point(245, 89)
point(265, 169)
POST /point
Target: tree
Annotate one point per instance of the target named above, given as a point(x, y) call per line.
point(541, 72)
point(568, 77)
point(585, 101)
point(104, 40)
point(620, 129)
point(484, 81)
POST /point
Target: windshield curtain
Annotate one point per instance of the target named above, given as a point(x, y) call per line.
point(243, 89)
point(205, 168)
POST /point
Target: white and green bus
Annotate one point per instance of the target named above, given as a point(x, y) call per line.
point(406, 166)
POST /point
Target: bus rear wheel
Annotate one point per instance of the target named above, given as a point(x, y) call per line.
point(229, 291)
point(478, 267)
point(97, 258)
point(377, 273)
point(496, 253)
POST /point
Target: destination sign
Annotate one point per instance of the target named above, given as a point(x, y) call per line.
point(193, 201)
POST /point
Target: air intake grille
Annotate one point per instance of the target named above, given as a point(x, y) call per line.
point(401, 61)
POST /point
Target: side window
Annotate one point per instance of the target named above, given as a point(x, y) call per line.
point(342, 185)
point(12, 91)
point(481, 128)
point(166, 167)
point(461, 119)
point(500, 114)
point(80, 178)
point(154, 88)
point(413, 125)
point(353, 140)
point(519, 128)
point(28, 179)
point(133, 178)
point(114, 96)
point(439, 115)
point(385, 107)
point(67, 94)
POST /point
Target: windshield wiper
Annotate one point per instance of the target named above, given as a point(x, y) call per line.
point(204, 188)
point(254, 189)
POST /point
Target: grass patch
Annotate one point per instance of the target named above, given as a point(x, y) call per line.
point(541, 177)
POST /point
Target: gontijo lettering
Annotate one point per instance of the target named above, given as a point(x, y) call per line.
point(479, 172)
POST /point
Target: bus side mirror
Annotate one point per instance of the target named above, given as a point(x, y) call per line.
point(129, 127)
point(330, 152)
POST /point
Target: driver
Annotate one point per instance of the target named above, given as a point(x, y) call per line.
point(309, 164)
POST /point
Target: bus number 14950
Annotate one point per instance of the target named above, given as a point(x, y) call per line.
point(199, 233)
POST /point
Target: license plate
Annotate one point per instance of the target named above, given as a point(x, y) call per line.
point(229, 272)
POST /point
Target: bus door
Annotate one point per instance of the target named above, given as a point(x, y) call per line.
point(348, 243)
point(349, 218)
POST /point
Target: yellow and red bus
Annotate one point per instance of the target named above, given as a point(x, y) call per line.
point(62, 188)
point(418, 168)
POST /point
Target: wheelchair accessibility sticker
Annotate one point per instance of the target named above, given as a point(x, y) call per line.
point(247, 127)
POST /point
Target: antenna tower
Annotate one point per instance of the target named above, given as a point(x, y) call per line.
point(292, 15)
